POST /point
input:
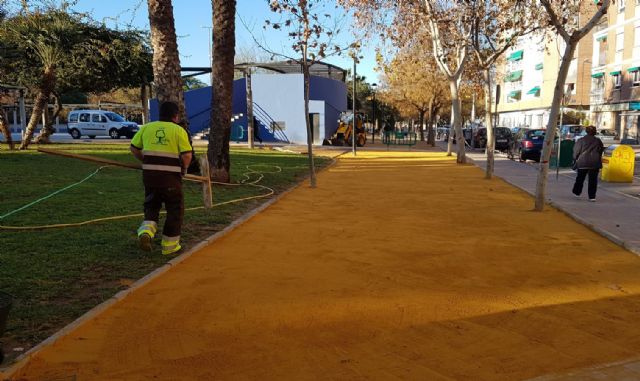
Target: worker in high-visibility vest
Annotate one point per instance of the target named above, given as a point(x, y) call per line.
point(164, 150)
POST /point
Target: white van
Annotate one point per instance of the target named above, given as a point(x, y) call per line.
point(94, 123)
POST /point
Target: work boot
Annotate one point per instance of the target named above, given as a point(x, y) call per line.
point(145, 242)
point(146, 232)
point(170, 245)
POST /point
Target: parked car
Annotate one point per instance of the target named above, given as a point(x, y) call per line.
point(607, 136)
point(529, 144)
point(503, 137)
point(571, 131)
point(94, 123)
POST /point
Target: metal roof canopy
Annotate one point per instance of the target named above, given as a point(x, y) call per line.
point(319, 69)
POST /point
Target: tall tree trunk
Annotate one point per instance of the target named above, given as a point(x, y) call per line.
point(47, 130)
point(312, 166)
point(250, 126)
point(44, 90)
point(489, 124)
point(144, 100)
point(457, 120)
point(452, 132)
point(224, 43)
point(430, 134)
point(421, 121)
point(558, 93)
point(4, 128)
point(167, 82)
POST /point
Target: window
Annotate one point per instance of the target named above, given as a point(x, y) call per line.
point(84, 117)
point(619, 45)
point(597, 85)
point(601, 50)
point(617, 80)
point(514, 96)
point(621, 5)
point(73, 118)
point(98, 118)
point(636, 78)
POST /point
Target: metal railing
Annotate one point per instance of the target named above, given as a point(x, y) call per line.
point(265, 119)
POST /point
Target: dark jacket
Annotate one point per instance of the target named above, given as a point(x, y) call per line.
point(587, 153)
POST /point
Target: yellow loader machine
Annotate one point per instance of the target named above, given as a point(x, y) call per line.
point(343, 134)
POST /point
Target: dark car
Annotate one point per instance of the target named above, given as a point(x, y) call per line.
point(530, 145)
point(502, 135)
point(571, 131)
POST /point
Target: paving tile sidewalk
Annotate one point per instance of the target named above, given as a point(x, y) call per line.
point(616, 214)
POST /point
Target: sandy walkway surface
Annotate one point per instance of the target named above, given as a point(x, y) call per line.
point(399, 266)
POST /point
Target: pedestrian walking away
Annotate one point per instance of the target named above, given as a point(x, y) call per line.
point(164, 150)
point(587, 159)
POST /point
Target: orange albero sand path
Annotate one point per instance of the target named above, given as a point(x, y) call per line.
point(399, 266)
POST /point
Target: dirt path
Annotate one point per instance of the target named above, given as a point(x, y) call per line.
point(398, 266)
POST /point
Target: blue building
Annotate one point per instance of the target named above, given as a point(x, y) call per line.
point(278, 103)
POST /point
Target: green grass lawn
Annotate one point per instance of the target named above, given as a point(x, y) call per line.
point(58, 274)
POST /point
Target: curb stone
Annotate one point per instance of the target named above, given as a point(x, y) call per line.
point(7, 372)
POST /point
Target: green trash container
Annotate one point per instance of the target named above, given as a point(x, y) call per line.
point(566, 154)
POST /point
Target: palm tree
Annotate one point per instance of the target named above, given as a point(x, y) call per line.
point(224, 42)
point(48, 35)
point(4, 128)
point(167, 83)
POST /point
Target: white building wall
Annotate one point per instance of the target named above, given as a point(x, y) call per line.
point(282, 97)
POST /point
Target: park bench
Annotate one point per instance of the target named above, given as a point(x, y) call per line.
point(399, 139)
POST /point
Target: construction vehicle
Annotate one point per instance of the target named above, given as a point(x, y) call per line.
point(343, 134)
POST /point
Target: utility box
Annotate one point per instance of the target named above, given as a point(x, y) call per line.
point(618, 162)
point(566, 154)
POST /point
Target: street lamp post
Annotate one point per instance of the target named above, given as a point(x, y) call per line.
point(375, 121)
point(354, 128)
point(210, 52)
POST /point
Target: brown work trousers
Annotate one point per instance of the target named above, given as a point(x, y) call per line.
point(174, 204)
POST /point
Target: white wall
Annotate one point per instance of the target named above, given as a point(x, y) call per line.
point(282, 97)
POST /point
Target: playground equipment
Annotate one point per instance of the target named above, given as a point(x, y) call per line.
point(343, 134)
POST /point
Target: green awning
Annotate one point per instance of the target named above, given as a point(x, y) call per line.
point(597, 75)
point(601, 38)
point(539, 66)
point(515, 94)
point(617, 72)
point(514, 76)
point(535, 90)
point(632, 69)
point(515, 56)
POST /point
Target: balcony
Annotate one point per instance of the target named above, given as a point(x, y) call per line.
point(597, 96)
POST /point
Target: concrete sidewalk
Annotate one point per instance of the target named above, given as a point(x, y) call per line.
point(615, 215)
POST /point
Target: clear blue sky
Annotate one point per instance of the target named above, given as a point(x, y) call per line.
point(192, 16)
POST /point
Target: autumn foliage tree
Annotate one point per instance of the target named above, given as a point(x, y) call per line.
point(497, 26)
point(443, 25)
point(410, 81)
point(563, 18)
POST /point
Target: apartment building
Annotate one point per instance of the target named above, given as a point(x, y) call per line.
point(615, 76)
point(528, 76)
